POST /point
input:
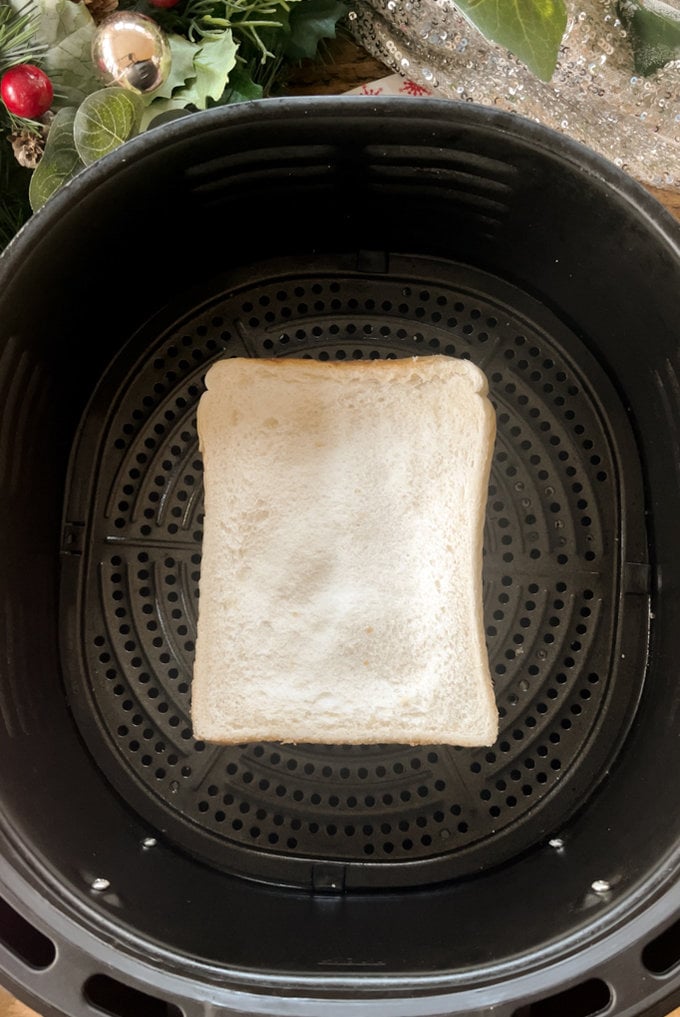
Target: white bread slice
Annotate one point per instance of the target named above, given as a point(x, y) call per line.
point(341, 578)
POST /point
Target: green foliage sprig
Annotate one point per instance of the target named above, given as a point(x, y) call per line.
point(533, 30)
point(17, 36)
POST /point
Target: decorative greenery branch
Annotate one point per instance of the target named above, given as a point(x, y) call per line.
point(17, 36)
point(533, 30)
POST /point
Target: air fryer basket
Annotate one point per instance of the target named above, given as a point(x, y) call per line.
point(146, 873)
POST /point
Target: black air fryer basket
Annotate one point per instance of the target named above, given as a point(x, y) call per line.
point(144, 873)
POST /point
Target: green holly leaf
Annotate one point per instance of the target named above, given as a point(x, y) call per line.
point(104, 120)
point(60, 160)
point(66, 30)
point(531, 29)
point(311, 21)
point(654, 31)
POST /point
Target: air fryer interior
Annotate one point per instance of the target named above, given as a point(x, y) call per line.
point(341, 229)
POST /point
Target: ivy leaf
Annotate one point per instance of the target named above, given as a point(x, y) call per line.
point(60, 160)
point(183, 54)
point(104, 120)
point(163, 108)
point(654, 31)
point(531, 29)
point(161, 102)
point(66, 30)
point(241, 87)
point(167, 117)
point(213, 63)
point(310, 21)
point(195, 84)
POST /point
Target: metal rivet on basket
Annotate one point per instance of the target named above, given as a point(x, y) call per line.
point(600, 886)
point(149, 842)
point(556, 842)
point(100, 883)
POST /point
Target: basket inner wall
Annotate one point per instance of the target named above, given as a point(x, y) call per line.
point(46, 760)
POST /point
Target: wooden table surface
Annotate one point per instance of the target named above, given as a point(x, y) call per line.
point(344, 67)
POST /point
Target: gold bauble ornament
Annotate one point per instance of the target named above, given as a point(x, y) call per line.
point(131, 50)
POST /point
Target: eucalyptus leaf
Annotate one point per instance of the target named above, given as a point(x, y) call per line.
point(61, 18)
point(311, 21)
point(654, 31)
point(531, 29)
point(104, 120)
point(66, 29)
point(60, 160)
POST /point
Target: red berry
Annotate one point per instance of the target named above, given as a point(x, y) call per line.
point(163, 3)
point(26, 91)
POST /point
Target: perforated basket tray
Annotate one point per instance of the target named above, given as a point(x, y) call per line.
point(557, 593)
point(151, 871)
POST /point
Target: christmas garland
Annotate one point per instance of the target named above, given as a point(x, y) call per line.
point(80, 77)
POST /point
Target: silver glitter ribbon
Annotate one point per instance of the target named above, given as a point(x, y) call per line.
point(594, 96)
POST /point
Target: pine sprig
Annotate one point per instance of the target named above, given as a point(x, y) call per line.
point(17, 46)
point(17, 30)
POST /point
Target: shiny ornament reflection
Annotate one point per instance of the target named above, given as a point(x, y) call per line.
point(131, 50)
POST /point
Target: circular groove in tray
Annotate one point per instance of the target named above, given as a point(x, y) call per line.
point(552, 571)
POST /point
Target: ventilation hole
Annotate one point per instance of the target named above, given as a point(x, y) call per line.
point(663, 953)
point(582, 1000)
point(110, 996)
point(23, 939)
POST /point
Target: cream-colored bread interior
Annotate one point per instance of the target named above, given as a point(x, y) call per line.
point(340, 591)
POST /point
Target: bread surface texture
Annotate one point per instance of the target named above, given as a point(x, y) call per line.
point(341, 574)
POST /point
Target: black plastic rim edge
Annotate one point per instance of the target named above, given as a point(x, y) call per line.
point(613, 959)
